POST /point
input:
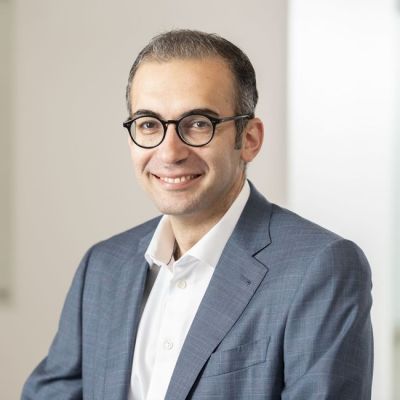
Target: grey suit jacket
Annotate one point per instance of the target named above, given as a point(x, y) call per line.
point(286, 316)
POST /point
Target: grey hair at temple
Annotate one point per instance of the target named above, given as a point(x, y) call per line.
point(181, 44)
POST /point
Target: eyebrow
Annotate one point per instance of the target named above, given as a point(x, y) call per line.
point(205, 111)
point(140, 112)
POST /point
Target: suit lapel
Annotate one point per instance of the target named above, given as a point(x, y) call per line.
point(236, 278)
point(125, 309)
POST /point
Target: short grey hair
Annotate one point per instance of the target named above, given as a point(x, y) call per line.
point(184, 43)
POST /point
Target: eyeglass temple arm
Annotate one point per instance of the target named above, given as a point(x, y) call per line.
point(236, 117)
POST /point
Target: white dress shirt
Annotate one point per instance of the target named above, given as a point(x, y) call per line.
point(173, 299)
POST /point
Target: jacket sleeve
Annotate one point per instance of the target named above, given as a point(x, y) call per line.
point(328, 345)
point(59, 375)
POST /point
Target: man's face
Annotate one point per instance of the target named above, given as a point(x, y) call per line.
point(199, 183)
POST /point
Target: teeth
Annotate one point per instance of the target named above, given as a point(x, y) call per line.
point(177, 180)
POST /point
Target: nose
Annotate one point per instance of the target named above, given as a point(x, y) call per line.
point(172, 150)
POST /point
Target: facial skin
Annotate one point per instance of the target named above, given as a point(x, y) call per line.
point(195, 186)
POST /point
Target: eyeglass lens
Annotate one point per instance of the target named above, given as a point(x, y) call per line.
point(148, 131)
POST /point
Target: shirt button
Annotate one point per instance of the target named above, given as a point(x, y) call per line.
point(168, 345)
point(181, 284)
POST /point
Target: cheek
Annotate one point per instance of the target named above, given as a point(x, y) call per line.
point(139, 159)
point(228, 162)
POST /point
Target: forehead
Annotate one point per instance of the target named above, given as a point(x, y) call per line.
point(176, 86)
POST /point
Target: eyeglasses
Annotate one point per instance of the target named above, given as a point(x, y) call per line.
point(195, 130)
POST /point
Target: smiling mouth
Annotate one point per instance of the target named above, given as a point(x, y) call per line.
point(177, 179)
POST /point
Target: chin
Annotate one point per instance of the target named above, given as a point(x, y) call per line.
point(174, 208)
point(175, 211)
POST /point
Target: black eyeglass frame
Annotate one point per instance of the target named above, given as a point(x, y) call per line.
point(214, 121)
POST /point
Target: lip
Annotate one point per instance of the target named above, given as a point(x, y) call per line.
point(181, 181)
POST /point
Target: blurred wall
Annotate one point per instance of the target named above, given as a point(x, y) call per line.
point(6, 51)
point(396, 150)
point(72, 181)
point(343, 140)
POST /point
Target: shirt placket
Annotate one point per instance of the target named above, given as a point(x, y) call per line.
point(170, 338)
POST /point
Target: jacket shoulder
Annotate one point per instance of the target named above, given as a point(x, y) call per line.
point(123, 245)
point(297, 242)
point(286, 223)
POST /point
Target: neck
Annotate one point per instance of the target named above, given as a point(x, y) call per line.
point(189, 229)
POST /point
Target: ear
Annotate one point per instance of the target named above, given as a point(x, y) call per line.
point(252, 139)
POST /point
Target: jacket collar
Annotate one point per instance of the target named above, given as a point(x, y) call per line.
point(234, 282)
point(124, 306)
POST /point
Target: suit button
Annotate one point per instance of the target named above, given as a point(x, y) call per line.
point(168, 345)
point(181, 284)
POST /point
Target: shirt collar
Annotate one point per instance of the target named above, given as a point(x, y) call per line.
point(161, 247)
point(209, 248)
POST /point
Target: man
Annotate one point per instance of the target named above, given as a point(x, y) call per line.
point(227, 296)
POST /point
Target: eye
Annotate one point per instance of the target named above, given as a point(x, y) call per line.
point(147, 125)
point(199, 124)
point(196, 123)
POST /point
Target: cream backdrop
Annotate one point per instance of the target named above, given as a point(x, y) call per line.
point(343, 119)
point(72, 178)
point(5, 146)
